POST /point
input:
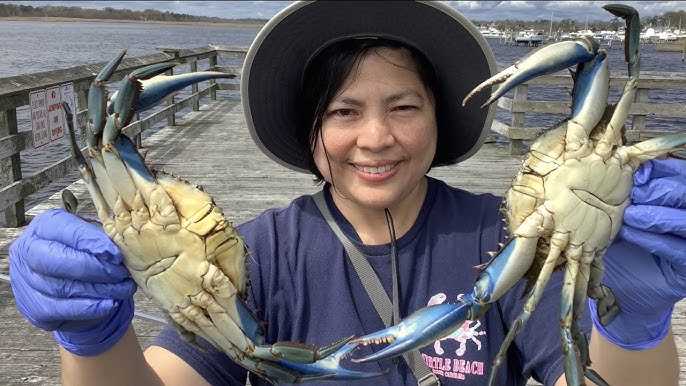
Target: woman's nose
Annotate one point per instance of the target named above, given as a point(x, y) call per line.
point(375, 134)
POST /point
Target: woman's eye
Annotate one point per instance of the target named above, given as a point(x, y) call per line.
point(405, 107)
point(343, 112)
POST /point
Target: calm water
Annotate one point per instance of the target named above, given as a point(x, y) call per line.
point(30, 47)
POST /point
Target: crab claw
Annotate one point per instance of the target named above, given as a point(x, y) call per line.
point(329, 368)
point(547, 60)
point(130, 90)
point(420, 329)
point(155, 89)
point(632, 35)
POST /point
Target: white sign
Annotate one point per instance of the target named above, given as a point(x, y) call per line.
point(68, 95)
point(47, 116)
point(55, 114)
point(39, 118)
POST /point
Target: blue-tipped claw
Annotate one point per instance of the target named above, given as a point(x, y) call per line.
point(546, 60)
point(155, 89)
point(420, 329)
point(632, 35)
point(329, 368)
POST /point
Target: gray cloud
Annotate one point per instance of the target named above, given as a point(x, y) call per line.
point(474, 10)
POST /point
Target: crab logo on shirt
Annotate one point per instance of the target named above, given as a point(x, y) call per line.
point(466, 332)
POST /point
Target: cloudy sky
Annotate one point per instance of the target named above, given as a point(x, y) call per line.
point(474, 10)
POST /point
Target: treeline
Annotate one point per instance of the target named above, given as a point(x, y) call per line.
point(672, 19)
point(19, 10)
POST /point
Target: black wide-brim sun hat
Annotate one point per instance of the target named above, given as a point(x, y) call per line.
point(274, 66)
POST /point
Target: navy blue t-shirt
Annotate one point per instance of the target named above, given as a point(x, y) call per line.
point(305, 289)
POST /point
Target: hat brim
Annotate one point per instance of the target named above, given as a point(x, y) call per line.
point(275, 62)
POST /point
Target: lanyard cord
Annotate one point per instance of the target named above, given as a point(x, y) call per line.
point(394, 269)
point(395, 319)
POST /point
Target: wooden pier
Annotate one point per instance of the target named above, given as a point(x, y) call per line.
point(211, 146)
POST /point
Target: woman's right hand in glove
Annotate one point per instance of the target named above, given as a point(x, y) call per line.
point(68, 277)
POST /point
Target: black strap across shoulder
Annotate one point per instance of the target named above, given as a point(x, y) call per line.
point(378, 296)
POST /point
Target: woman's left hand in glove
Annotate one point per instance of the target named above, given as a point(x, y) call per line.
point(645, 267)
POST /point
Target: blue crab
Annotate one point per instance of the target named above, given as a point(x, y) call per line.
point(565, 206)
point(177, 245)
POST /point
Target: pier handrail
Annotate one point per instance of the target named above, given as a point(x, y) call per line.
point(519, 105)
point(14, 94)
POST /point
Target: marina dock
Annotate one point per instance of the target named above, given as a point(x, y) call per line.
point(210, 146)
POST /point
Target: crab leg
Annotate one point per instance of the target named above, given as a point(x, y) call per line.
point(434, 322)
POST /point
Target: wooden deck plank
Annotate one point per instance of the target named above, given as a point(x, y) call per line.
point(213, 148)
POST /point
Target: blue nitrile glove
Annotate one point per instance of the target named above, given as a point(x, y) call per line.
point(67, 277)
point(646, 265)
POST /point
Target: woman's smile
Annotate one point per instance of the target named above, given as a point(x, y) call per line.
point(374, 173)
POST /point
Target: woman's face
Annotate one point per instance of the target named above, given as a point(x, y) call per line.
point(378, 135)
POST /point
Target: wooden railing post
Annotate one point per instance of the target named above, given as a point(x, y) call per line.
point(213, 88)
point(518, 118)
point(10, 170)
point(194, 86)
point(638, 122)
point(171, 120)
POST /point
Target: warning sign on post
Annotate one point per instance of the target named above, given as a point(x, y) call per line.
point(48, 120)
point(55, 114)
point(39, 118)
point(68, 95)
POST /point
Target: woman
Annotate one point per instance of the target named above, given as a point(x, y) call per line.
point(363, 95)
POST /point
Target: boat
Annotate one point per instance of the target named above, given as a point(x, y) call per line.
point(678, 45)
point(491, 32)
point(530, 37)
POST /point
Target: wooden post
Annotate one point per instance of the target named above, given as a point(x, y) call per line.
point(171, 119)
point(518, 118)
point(10, 170)
point(138, 139)
point(638, 122)
point(213, 87)
point(194, 86)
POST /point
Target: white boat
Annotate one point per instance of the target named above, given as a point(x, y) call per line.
point(530, 37)
point(491, 32)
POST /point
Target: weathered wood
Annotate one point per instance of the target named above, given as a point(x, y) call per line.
point(520, 105)
point(14, 92)
point(14, 192)
point(638, 122)
point(11, 169)
point(213, 65)
point(194, 86)
point(518, 118)
point(213, 148)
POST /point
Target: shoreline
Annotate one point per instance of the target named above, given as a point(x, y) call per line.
point(123, 21)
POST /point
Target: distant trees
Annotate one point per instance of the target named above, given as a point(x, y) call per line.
point(18, 10)
point(672, 19)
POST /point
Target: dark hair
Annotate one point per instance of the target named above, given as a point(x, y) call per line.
point(324, 76)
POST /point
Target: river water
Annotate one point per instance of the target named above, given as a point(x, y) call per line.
point(30, 47)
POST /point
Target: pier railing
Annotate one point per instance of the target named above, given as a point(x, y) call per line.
point(519, 106)
point(14, 94)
